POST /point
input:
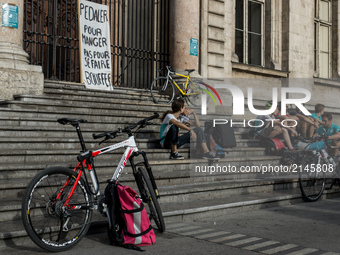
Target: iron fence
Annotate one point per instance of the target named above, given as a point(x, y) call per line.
point(139, 39)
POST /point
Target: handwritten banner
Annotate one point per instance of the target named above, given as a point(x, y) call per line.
point(95, 52)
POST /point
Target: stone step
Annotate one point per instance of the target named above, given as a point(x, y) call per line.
point(34, 140)
point(27, 102)
point(94, 109)
point(68, 132)
point(35, 156)
point(12, 230)
point(195, 191)
point(92, 122)
point(14, 177)
point(133, 94)
point(41, 128)
point(74, 107)
point(49, 143)
point(10, 116)
point(90, 101)
point(50, 114)
point(80, 89)
point(60, 131)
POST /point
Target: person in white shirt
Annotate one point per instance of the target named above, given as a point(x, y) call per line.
point(177, 119)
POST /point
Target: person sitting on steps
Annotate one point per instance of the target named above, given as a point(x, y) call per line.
point(330, 130)
point(270, 126)
point(172, 122)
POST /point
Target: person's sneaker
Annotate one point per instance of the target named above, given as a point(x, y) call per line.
point(209, 155)
point(176, 155)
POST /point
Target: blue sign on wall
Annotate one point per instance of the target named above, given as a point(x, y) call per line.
point(193, 47)
point(10, 15)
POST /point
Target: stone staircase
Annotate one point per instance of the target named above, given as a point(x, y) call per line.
point(32, 140)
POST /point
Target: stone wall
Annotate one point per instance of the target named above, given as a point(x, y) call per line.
point(288, 50)
point(16, 75)
point(184, 25)
point(20, 81)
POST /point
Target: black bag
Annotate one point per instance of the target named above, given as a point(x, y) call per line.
point(223, 134)
point(116, 222)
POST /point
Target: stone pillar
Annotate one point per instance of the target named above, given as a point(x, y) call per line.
point(336, 40)
point(184, 25)
point(229, 31)
point(16, 75)
point(273, 38)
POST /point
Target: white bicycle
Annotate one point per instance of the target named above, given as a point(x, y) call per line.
point(58, 203)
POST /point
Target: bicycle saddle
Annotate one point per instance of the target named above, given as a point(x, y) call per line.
point(65, 121)
point(189, 70)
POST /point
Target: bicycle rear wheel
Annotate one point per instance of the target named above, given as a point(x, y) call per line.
point(162, 90)
point(47, 222)
point(148, 196)
point(312, 183)
point(194, 94)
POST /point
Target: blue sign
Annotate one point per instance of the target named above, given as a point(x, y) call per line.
point(193, 47)
point(10, 15)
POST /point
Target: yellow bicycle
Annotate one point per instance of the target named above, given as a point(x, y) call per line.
point(163, 88)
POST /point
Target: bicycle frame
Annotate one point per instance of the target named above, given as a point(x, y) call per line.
point(58, 203)
point(184, 93)
point(130, 152)
point(322, 154)
point(131, 148)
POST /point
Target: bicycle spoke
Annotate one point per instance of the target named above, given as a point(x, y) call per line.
point(312, 184)
point(148, 195)
point(162, 90)
point(193, 94)
point(48, 224)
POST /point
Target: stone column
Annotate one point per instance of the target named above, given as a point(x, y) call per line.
point(16, 75)
point(229, 31)
point(273, 34)
point(184, 25)
point(336, 40)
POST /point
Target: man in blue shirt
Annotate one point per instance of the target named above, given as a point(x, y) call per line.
point(319, 110)
point(330, 130)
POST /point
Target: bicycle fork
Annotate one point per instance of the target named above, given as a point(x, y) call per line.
point(148, 169)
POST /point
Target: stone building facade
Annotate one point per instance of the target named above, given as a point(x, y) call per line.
point(279, 42)
point(16, 75)
point(274, 43)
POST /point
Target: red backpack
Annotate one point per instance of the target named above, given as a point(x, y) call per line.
point(129, 224)
point(138, 230)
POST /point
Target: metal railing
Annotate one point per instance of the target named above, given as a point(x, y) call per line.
point(139, 39)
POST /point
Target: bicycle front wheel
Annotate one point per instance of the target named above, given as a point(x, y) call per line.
point(162, 91)
point(48, 223)
point(312, 183)
point(193, 94)
point(148, 196)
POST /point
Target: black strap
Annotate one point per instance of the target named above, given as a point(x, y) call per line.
point(132, 247)
point(140, 234)
point(134, 210)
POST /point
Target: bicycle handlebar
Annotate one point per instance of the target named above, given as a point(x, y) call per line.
point(319, 138)
point(112, 134)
